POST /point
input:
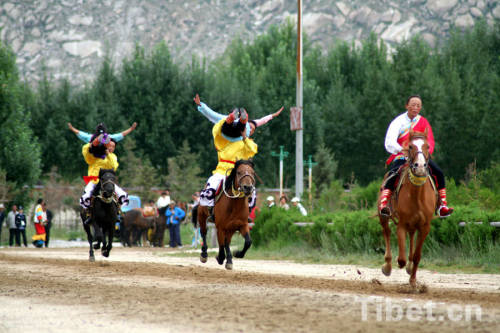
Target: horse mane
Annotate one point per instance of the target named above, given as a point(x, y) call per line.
point(232, 176)
point(103, 171)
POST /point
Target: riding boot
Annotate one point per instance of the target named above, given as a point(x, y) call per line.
point(88, 217)
point(210, 218)
point(385, 196)
point(443, 210)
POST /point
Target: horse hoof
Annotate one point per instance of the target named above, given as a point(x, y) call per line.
point(409, 268)
point(92, 259)
point(229, 266)
point(105, 254)
point(219, 261)
point(97, 246)
point(203, 259)
point(238, 254)
point(386, 270)
point(401, 263)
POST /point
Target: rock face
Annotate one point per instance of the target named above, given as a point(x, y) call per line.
point(69, 38)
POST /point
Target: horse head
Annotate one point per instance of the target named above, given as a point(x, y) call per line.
point(242, 177)
point(107, 179)
point(418, 153)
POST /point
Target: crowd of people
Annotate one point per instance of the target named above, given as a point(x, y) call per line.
point(17, 222)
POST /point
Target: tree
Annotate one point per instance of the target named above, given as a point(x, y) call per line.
point(19, 152)
point(184, 173)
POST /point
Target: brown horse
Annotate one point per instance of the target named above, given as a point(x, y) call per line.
point(135, 225)
point(231, 213)
point(414, 207)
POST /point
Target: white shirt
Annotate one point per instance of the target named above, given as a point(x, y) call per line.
point(398, 126)
point(163, 201)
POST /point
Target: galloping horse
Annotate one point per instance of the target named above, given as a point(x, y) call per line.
point(414, 207)
point(231, 213)
point(104, 213)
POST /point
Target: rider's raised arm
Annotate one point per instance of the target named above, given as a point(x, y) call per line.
point(210, 114)
point(119, 136)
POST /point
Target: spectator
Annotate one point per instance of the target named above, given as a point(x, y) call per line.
point(163, 202)
point(174, 217)
point(21, 227)
point(283, 202)
point(296, 203)
point(39, 219)
point(194, 219)
point(11, 222)
point(48, 226)
point(2, 217)
point(270, 201)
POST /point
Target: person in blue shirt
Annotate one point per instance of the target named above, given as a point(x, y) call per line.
point(85, 137)
point(174, 217)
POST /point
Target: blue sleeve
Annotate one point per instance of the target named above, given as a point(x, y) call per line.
point(211, 115)
point(117, 137)
point(180, 214)
point(84, 136)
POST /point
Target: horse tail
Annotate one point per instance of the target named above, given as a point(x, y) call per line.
point(194, 216)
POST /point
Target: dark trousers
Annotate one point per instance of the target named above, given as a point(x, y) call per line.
point(47, 234)
point(13, 234)
point(436, 173)
point(233, 130)
point(21, 233)
point(175, 235)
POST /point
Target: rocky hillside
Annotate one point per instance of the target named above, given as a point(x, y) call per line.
point(70, 37)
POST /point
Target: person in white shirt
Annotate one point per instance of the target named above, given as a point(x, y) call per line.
point(163, 202)
point(296, 203)
point(270, 201)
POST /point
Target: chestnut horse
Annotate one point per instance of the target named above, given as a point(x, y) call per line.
point(230, 213)
point(414, 207)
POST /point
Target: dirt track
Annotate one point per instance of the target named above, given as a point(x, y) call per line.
point(144, 290)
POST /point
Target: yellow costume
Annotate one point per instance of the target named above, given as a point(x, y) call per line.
point(96, 163)
point(229, 152)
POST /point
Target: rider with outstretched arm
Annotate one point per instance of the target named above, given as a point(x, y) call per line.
point(117, 137)
point(99, 154)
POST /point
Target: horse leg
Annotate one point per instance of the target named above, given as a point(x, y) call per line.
point(246, 246)
point(229, 256)
point(98, 236)
point(90, 240)
point(203, 231)
point(401, 232)
point(387, 267)
point(221, 256)
point(422, 234)
point(409, 266)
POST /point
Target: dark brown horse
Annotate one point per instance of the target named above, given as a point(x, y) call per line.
point(136, 225)
point(414, 207)
point(231, 213)
point(104, 213)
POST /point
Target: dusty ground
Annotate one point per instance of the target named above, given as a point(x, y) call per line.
point(148, 290)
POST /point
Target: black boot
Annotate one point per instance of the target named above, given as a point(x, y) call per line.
point(88, 217)
point(210, 218)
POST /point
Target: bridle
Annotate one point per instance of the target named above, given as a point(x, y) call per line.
point(238, 193)
point(101, 196)
point(415, 179)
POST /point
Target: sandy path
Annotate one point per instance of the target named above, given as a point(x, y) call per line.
point(145, 290)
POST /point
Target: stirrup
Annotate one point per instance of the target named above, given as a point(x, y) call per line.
point(385, 211)
point(210, 217)
point(446, 211)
